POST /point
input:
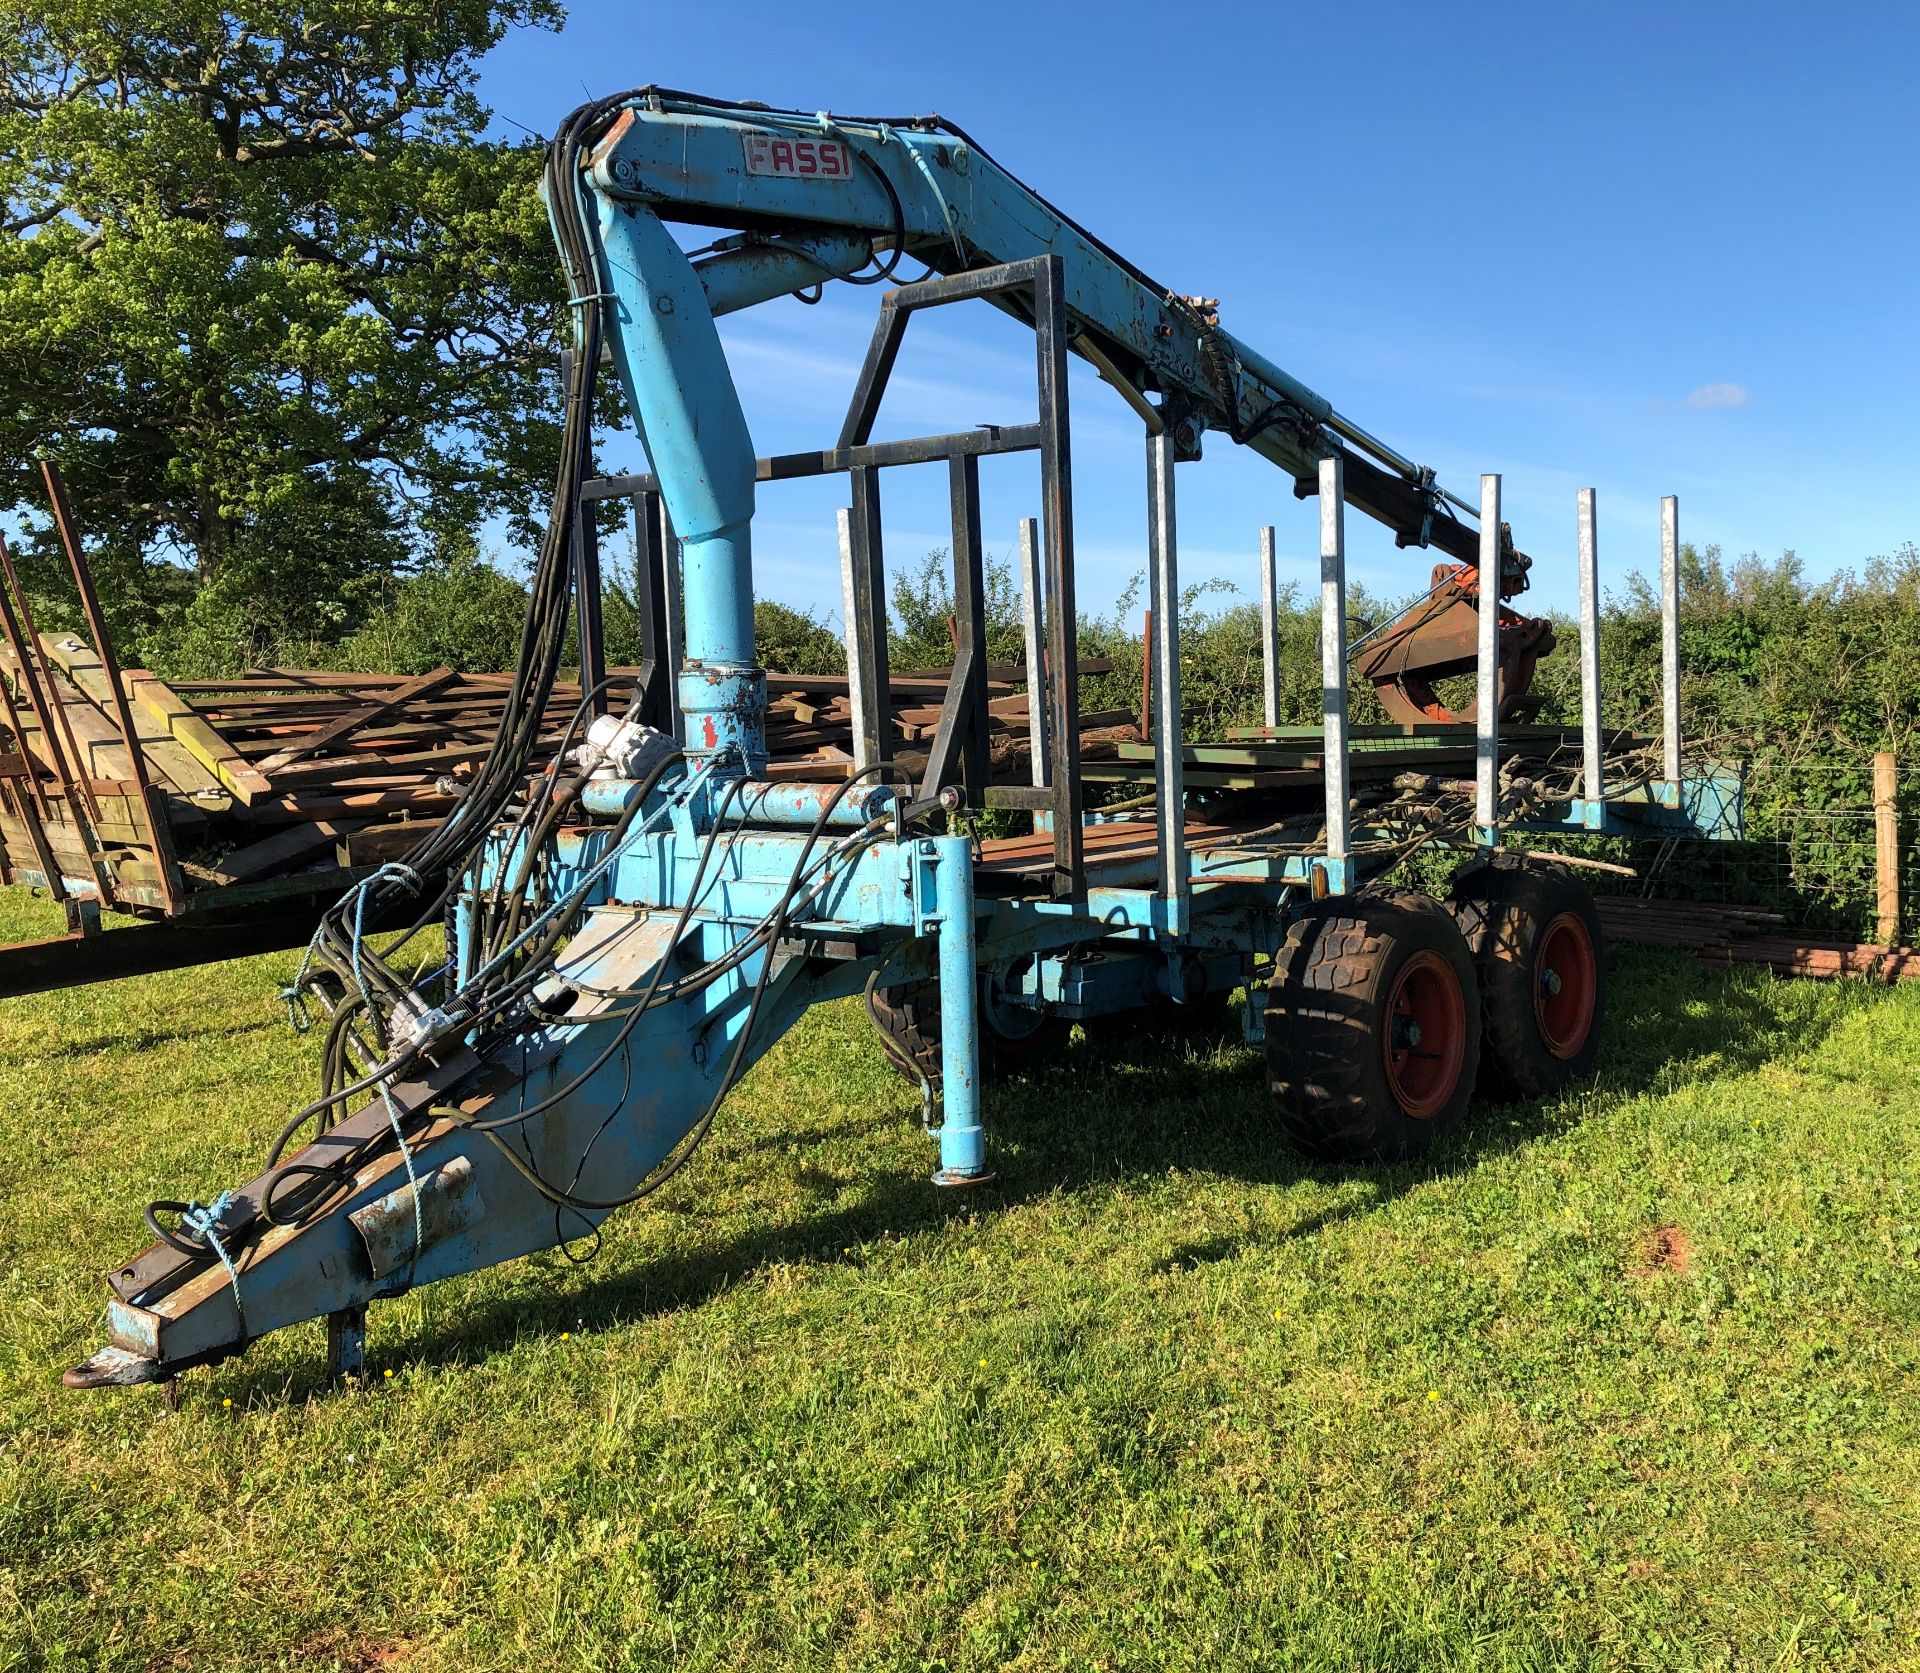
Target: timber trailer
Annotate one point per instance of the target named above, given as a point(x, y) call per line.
point(632, 928)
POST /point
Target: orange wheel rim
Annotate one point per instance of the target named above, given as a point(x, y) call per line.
point(1566, 982)
point(1426, 1035)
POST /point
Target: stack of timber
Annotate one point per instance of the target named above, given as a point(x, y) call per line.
point(251, 804)
point(1747, 935)
point(276, 774)
point(810, 721)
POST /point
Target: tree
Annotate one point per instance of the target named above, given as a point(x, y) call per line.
point(279, 309)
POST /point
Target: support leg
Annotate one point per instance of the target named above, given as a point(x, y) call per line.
point(963, 1138)
point(347, 1347)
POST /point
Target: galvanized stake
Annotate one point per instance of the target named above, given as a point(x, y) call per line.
point(865, 727)
point(1591, 781)
point(1163, 585)
point(1270, 625)
point(1333, 654)
point(1670, 647)
point(1033, 630)
point(1486, 691)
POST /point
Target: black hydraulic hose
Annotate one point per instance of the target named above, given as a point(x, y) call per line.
point(544, 797)
point(673, 940)
point(449, 850)
point(698, 1132)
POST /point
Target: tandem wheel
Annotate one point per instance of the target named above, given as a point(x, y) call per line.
point(1373, 1027)
point(1536, 944)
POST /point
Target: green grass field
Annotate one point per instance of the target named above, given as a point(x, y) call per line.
point(1626, 1380)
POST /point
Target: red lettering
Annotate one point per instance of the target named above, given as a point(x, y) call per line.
point(805, 159)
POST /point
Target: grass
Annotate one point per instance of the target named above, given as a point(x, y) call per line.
point(1623, 1380)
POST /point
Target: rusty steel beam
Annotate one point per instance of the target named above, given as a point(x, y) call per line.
point(24, 639)
point(154, 815)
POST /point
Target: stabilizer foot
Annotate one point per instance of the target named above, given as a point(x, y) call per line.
point(113, 1368)
point(347, 1347)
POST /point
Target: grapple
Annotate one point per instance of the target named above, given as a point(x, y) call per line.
point(1437, 637)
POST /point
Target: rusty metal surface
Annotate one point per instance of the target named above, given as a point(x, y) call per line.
point(448, 1201)
point(159, 833)
point(1436, 638)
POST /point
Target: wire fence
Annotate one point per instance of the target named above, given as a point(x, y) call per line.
point(1812, 855)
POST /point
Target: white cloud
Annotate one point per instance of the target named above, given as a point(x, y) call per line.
point(1711, 396)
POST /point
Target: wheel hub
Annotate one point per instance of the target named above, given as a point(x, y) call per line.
point(1426, 1035)
point(1566, 994)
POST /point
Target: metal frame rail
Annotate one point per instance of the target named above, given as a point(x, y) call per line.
point(958, 754)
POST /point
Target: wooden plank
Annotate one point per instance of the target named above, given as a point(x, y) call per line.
point(1267, 758)
point(1561, 735)
point(374, 845)
point(1205, 778)
point(186, 774)
point(429, 763)
point(187, 728)
point(307, 805)
point(283, 849)
point(288, 679)
point(331, 734)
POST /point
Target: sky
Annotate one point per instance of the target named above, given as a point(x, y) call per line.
point(1651, 249)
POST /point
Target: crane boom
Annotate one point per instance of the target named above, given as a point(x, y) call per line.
point(814, 198)
point(920, 186)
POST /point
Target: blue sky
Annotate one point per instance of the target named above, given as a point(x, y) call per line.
point(1648, 248)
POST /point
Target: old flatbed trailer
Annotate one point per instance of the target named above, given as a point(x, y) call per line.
point(633, 935)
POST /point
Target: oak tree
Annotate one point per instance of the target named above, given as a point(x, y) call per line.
point(271, 293)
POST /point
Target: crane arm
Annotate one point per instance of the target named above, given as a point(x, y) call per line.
point(817, 197)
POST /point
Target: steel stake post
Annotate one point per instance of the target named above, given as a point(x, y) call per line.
point(1592, 780)
point(1333, 659)
point(1486, 691)
point(1670, 648)
point(1270, 626)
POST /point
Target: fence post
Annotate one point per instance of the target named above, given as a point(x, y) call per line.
point(1886, 848)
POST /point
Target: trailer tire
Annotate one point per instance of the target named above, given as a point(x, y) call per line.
point(1360, 986)
point(907, 1017)
point(1536, 943)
